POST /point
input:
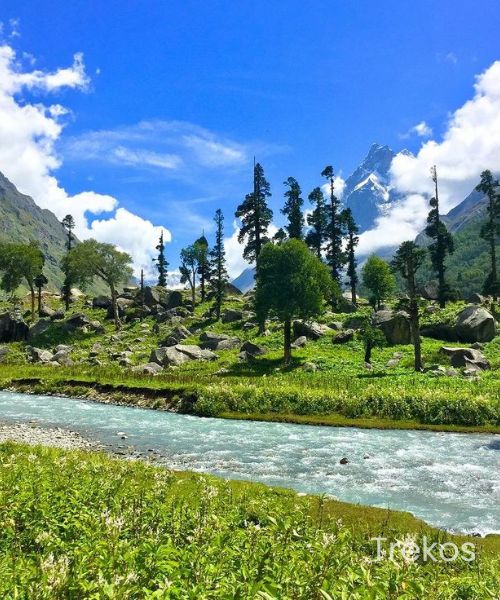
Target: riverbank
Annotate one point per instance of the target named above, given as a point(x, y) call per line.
point(35, 434)
point(185, 398)
point(178, 533)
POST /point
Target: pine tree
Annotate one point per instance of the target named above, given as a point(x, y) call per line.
point(293, 209)
point(335, 256)
point(218, 273)
point(352, 241)
point(161, 262)
point(407, 260)
point(203, 265)
point(442, 244)
point(317, 221)
point(255, 216)
point(68, 224)
point(280, 236)
point(490, 231)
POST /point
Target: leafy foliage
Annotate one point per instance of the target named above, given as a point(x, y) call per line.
point(490, 231)
point(378, 278)
point(161, 262)
point(218, 272)
point(335, 255)
point(317, 221)
point(291, 283)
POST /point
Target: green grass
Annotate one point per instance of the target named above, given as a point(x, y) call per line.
point(341, 391)
point(84, 525)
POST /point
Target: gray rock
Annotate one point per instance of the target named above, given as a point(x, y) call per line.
point(354, 322)
point(475, 298)
point(231, 315)
point(62, 357)
point(13, 328)
point(343, 337)
point(167, 357)
point(101, 302)
point(252, 349)
point(39, 355)
point(393, 362)
point(429, 290)
point(58, 315)
point(466, 357)
point(151, 368)
point(4, 353)
point(337, 325)
point(309, 367)
point(195, 352)
point(76, 321)
point(310, 330)
point(440, 331)
point(475, 324)
point(46, 311)
point(62, 348)
point(394, 325)
point(300, 342)
point(39, 328)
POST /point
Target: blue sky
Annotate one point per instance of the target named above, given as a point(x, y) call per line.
point(299, 84)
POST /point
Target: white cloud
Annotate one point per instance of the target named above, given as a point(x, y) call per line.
point(171, 145)
point(234, 251)
point(470, 144)
point(338, 188)
point(420, 129)
point(28, 134)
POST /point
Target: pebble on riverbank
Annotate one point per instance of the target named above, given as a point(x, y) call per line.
point(56, 437)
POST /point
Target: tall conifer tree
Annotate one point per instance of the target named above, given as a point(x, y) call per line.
point(293, 209)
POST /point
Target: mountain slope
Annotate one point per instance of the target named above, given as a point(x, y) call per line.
point(468, 265)
point(21, 220)
point(245, 280)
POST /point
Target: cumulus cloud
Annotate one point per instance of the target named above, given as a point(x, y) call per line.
point(420, 129)
point(470, 144)
point(29, 131)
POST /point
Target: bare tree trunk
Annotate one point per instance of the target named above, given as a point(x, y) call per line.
point(32, 291)
point(368, 353)
point(353, 294)
point(114, 306)
point(287, 341)
point(39, 300)
point(415, 332)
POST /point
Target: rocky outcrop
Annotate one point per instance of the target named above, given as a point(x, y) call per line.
point(101, 302)
point(151, 368)
point(13, 328)
point(155, 295)
point(429, 290)
point(475, 324)
point(394, 325)
point(300, 342)
point(249, 351)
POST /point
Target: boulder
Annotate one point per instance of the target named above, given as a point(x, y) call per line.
point(62, 357)
point(310, 330)
point(167, 357)
point(218, 341)
point(354, 322)
point(46, 311)
point(101, 302)
point(429, 290)
point(394, 325)
point(39, 328)
point(252, 349)
point(346, 306)
point(309, 367)
point(466, 357)
point(151, 368)
point(39, 355)
point(63, 348)
point(58, 315)
point(13, 328)
point(300, 342)
point(231, 315)
point(476, 298)
point(440, 331)
point(179, 354)
point(195, 352)
point(76, 321)
point(4, 352)
point(155, 295)
point(343, 337)
point(337, 325)
point(475, 324)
